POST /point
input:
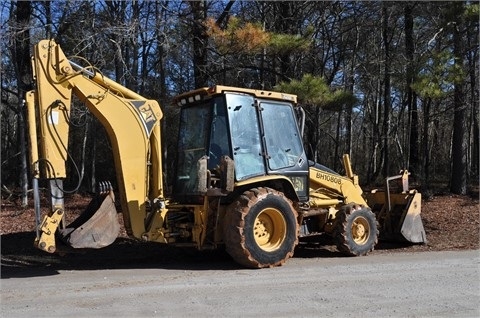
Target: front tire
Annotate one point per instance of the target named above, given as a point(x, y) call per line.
point(261, 229)
point(356, 230)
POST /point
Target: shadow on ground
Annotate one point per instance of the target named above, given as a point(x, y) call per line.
point(19, 258)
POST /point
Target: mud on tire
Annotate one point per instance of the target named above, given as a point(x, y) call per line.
point(261, 229)
point(356, 230)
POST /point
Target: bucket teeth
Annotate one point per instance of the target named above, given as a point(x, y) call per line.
point(104, 187)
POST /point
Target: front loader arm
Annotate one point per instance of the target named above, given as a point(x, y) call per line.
point(132, 123)
point(329, 189)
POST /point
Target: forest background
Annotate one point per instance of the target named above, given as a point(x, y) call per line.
point(393, 84)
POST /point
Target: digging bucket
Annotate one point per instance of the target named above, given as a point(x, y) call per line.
point(97, 226)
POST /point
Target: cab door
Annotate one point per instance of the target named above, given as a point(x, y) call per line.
point(245, 136)
point(282, 138)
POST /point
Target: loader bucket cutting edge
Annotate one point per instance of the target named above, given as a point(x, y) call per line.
point(412, 227)
point(96, 227)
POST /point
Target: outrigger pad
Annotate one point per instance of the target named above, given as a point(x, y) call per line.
point(96, 227)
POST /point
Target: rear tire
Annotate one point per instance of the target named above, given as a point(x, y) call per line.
point(356, 230)
point(261, 229)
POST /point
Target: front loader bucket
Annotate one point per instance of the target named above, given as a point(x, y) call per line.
point(402, 222)
point(398, 214)
point(96, 227)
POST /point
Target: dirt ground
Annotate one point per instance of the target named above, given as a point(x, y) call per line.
point(451, 222)
point(131, 278)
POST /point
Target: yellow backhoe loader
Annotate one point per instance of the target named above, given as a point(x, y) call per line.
point(242, 178)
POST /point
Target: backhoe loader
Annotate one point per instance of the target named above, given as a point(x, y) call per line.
point(242, 179)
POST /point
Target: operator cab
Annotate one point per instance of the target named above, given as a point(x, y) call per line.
point(257, 129)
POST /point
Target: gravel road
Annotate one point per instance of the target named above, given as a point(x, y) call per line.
point(427, 284)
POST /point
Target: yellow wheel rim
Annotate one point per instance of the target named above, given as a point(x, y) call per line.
point(269, 229)
point(360, 230)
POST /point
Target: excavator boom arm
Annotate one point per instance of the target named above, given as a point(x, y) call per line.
point(131, 121)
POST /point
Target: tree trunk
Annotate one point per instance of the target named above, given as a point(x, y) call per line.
point(411, 96)
point(337, 138)
point(199, 43)
point(476, 138)
point(426, 156)
point(374, 168)
point(386, 91)
point(472, 42)
point(459, 142)
point(350, 81)
point(133, 77)
point(48, 19)
point(23, 71)
point(284, 25)
point(117, 12)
